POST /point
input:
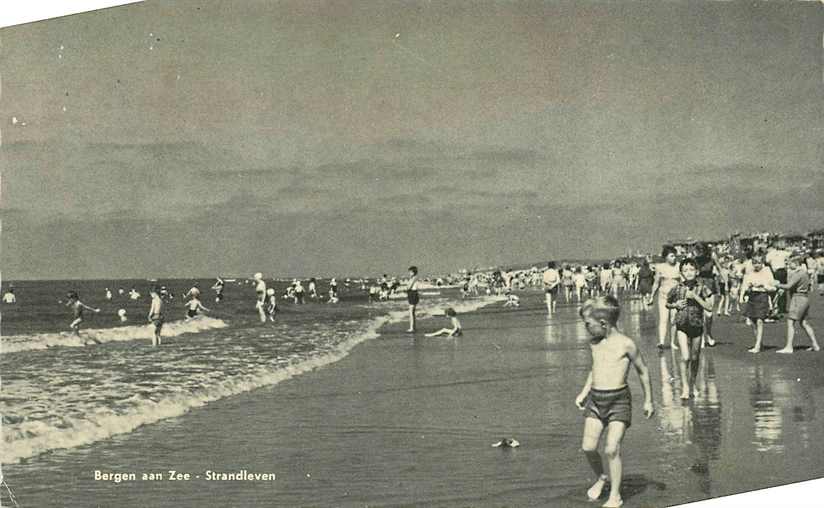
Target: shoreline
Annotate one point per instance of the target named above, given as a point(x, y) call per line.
point(407, 420)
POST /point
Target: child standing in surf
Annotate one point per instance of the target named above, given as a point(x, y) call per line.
point(77, 308)
point(606, 398)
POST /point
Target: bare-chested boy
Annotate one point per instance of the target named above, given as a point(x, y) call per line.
point(77, 308)
point(156, 315)
point(606, 398)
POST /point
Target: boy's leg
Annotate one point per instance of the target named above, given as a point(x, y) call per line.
point(810, 333)
point(612, 450)
point(683, 342)
point(592, 434)
point(788, 347)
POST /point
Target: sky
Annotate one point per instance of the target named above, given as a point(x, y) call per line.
point(308, 138)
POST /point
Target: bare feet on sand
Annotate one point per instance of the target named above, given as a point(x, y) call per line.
point(594, 492)
point(784, 351)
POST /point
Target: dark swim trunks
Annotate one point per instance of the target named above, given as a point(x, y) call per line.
point(412, 297)
point(610, 405)
point(191, 313)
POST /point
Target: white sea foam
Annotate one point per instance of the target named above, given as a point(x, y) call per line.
point(16, 343)
point(27, 438)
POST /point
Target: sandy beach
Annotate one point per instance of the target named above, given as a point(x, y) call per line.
point(410, 420)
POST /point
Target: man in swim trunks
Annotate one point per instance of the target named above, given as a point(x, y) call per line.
point(156, 315)
point(260, 290)
point(412, 296)
point(605, 398)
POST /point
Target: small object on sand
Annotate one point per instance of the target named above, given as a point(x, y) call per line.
point(507, 442)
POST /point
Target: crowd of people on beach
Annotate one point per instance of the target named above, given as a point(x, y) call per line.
point(689, 287)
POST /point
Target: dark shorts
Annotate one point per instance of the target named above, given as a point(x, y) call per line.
point(158, 323)
point(610, 405)
point(758, 306)
point(690, 331)
point(191, 313)
point(553, 291)
point(711, 283)
point(799, 307)
point(412, 297)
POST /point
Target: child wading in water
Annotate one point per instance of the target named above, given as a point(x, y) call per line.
point(606, 398)
point(690, 299)
point(78, 307)
point(455, 331)
point(798, 285)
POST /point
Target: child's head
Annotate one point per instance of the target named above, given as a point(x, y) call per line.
point(794, 261)
point(450, 312)
point(72, 295)
point(413, 270)
point(154, 291)
point(757, 261)
point(668, 253)
point(689, 269)
point(600, 314)
point(550, 265)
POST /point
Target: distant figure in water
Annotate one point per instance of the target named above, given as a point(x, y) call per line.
point(9, 296)
point(121, 291)
point(260, 290)
point(412, 296)
point(78, 307)
point(298, 292)
point(333, 291)
point(122, 314)
point(455, 331)
point(194, 306)
point(313, 290)
point(272, 308)
point(108, 294)
point(133, 294)
point(218, 289)
point(156, 315)
point(193, 292)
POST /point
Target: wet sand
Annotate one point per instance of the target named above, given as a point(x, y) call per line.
point(410, 421)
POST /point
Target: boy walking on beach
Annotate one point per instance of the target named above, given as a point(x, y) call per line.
point(606, 398)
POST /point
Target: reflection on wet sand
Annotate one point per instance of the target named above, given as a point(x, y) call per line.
point(695, 424)
point(767, 415)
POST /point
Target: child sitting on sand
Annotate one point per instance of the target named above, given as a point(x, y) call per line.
point(606, 398)
point(455, 331)
point(512, 300)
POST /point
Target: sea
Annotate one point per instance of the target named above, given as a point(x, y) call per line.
point(58, 393)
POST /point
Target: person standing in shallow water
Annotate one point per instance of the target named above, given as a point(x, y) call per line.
point(412, 296)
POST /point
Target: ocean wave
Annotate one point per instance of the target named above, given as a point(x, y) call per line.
point(24, 438)
point(30, 438)
point(16, 343)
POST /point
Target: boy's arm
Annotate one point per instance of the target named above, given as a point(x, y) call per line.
point(637, 360)
point(89, 308)
point(579, 400)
